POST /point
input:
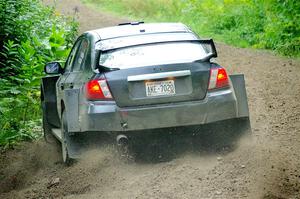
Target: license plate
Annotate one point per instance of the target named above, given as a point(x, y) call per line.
point(158, 88)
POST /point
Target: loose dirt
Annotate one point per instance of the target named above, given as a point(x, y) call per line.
point(266, 166)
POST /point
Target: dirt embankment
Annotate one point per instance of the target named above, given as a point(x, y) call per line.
point(266, 166)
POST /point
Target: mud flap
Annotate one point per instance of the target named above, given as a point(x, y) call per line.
point(238, 83)
point(72, 114)
point(71, 103)
point(79, 143)
point(243, 121)
point(74, 145)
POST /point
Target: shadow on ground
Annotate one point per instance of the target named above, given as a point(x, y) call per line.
point(166, 144)
point(160, 145)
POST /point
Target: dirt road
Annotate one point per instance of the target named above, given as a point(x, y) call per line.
point(267, 166)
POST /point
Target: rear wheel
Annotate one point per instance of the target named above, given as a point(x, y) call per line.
point(64, 145)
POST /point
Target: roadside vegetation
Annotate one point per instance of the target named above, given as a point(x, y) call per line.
point(31, 35)
point(272, 24)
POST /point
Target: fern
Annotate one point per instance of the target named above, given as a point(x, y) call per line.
point(31, 35)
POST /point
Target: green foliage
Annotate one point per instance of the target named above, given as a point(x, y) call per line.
point(31, 35)
point(272, 24)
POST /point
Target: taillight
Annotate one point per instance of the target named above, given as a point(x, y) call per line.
point(97, 89)
point(218, 78)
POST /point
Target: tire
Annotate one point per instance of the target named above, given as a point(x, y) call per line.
point(64, 145)
point(48, 136)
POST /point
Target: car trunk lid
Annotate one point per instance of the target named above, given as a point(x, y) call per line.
point(152, 85)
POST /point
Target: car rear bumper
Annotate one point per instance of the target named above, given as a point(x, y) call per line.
point(107, 116)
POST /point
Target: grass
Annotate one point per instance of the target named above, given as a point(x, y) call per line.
point(272, 24)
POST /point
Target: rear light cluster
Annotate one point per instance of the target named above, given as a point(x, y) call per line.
point(97, 89)
point(218, 78)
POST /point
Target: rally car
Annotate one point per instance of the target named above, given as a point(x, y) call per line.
point(134, 77)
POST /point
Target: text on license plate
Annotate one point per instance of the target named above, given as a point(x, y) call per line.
point(157, 88)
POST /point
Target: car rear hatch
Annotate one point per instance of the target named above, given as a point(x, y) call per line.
point(156, 68)
point(159, 84)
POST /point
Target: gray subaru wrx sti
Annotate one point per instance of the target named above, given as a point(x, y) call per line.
point(137, 76)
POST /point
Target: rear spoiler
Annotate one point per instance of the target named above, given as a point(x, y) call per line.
point(122, 42)
point(131, 23)
point(210, 48)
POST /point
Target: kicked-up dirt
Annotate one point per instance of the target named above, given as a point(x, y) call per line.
point(266, 166)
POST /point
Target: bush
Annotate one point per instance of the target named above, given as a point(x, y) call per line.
point(31, 35)
point(272, 24)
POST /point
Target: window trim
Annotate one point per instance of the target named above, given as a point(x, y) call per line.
point(75, 47)
point(84, 57)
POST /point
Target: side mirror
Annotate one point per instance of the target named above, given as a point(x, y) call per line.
point(53, 68)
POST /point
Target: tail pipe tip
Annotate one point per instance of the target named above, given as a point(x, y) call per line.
point(122, 140)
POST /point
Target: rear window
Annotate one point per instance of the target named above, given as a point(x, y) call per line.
point(152, 54)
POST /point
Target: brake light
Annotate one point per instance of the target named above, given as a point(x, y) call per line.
point(218, 78)
point(97, 89)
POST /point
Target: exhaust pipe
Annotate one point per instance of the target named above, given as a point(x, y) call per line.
point(123, 147)
point(122, 140)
